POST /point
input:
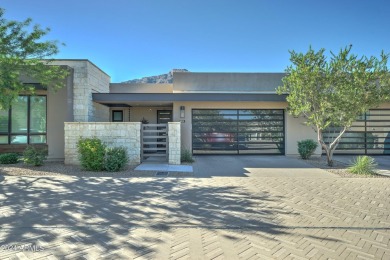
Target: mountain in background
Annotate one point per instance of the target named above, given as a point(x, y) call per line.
point(160, 79)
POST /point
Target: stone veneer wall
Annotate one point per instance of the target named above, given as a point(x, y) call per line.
point(174, 144)
point(87, 79)
point(113, 134)
point(99, 82)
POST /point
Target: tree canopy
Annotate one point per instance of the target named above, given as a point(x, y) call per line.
point(336, 90)
point(23, 53)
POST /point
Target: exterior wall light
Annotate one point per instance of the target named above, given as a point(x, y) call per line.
point(182, 112)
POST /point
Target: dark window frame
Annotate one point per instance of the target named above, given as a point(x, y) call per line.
point(112, 115)
point(363, 140)
point(28, 134)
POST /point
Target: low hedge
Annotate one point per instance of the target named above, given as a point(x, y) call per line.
point(9, 158)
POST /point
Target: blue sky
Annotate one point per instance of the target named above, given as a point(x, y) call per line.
point(131, 39)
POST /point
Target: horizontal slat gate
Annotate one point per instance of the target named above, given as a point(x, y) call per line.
point(154, 143)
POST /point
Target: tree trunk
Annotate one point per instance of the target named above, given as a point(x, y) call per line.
point(329, 157)
point(328, 152)
point(329, 149)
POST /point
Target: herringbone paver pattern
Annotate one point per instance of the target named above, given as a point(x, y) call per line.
point(195, 218)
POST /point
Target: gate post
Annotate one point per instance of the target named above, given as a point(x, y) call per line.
point(141, 142)
point(174, 144)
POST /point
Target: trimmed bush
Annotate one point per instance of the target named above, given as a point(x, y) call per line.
point(9, 158)
point(186, 156)
point(91, 153)
point(115, 159)
point(363, 165)
point(34, 156)
point(306, 148)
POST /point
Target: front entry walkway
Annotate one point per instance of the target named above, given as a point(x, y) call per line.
point(164, 167)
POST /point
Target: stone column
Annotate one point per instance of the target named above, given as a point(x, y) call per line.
point(72, 135)
point(135, 146)
point(174, 142)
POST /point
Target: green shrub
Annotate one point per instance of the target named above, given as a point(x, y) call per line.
point(306, 148)
point(115, 159)
point(34, 156)
point(91, 153)
point(186, 156)
point(363, 165)
point(9, 158)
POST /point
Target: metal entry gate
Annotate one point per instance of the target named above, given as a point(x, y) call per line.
point(238, 131)
point(154, 142)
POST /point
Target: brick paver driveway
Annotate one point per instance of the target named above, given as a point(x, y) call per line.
point(195, 218)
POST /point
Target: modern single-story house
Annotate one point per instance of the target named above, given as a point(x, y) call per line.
point(218, 113)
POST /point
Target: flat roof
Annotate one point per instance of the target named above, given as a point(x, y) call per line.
point(112, 98)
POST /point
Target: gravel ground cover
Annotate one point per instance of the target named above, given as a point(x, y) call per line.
point(59, 168)
point(338, 168)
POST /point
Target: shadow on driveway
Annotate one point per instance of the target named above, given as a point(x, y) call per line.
point(102, 212)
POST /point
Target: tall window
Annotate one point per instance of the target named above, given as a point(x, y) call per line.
point(25, 122)
point(4, 118)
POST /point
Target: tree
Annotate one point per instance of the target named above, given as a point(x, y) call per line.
point(334, 91)
point(24, 54)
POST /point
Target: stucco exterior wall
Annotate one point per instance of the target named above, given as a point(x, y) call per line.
point(87, 79)
point(126, 113)
point(98, 113)
point(226, 82)
point(59, 110)
point(113, 134)
point(294, 127)
point(385, 106)
point(149, 113)
point(296, 131)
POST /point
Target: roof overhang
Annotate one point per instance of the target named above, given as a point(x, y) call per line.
point(125, 98)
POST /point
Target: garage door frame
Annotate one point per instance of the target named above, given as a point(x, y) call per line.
point(354, 136)
point(236, 151)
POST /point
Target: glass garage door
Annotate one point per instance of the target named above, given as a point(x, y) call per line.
point(232, 131)
point(370, 134)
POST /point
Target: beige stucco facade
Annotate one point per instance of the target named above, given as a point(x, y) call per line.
point(226, 82)
point(59, 110)
point(88, 96)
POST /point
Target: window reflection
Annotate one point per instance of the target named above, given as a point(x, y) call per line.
point(38, 114)
point(19, 115)
point(371, 135)
point(27, 123)
point(249, 131)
